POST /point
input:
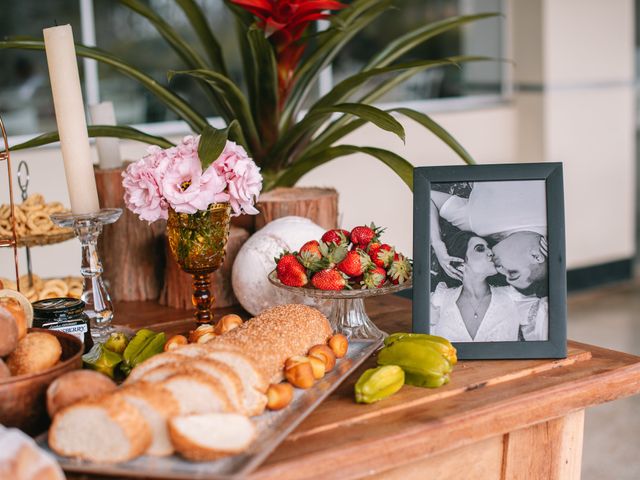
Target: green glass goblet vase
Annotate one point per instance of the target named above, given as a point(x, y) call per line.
point(198, 242)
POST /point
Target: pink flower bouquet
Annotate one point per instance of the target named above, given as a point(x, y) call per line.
point(174, 178)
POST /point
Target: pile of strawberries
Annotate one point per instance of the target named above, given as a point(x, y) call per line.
point(344, 260)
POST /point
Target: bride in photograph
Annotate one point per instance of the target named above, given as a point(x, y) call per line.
point(477, 311)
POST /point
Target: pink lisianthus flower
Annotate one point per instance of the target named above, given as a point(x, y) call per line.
point(142, 191)
point(185, 186)
point(243, 178)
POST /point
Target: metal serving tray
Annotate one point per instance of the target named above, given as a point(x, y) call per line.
point(272, 428)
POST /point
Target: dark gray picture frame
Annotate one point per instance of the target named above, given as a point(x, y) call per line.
point(551, 173)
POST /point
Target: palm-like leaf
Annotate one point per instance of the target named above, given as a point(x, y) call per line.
point(126, 133)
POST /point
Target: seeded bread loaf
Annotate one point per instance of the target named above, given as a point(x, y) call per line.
point(277, 334)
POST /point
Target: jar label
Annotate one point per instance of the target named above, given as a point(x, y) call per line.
point(77, 329)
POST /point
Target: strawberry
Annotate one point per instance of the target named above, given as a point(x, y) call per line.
point(329, 279)
point(290, 271)
point(400, 269)
point(310, 256)
point(332, 253)
point(381, 254)
point(355, 263)
point(375, 278)
point(363, 235)
point(337, 236)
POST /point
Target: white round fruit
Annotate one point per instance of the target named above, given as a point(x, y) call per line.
point(256, 259)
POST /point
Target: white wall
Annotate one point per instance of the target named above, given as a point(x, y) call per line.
point(576, 59)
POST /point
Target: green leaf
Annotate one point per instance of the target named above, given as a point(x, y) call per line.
point(122, 132)
point(234, 97)
point(372, 114)
point(196, 121)
point(201, 27)
point(412, 39)
point(399, 165)
point(263, 87)
point(212, 142)
point(427, 122)
point(313, 120)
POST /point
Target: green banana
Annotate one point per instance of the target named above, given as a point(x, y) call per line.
point(439, 343)
point(137, 343)
point(423, 365)
point(378, 383)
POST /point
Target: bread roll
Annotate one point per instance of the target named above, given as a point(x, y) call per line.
point(8, 332)
point(20, 307)
point(36, 352)
point(277, 334)
point(4, 371)
point(105, 429)
point(75, 386)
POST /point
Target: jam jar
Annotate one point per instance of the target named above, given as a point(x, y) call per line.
point(63, 314)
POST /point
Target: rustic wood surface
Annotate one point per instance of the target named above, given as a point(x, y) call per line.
point(318, 204)
point(177, 289)
point(132, 251)
point(495, 419)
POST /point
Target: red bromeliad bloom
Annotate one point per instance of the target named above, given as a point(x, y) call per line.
point(284, 22)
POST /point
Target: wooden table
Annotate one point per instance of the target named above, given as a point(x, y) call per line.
point(516, 419)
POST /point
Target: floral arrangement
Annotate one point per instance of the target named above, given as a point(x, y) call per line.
point(271, 114)
point(176, 178)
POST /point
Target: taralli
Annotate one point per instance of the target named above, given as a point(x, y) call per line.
point(42, 288)
point(32, 218)
point(39, 222)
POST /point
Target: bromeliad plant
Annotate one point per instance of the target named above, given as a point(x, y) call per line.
point(282, 58)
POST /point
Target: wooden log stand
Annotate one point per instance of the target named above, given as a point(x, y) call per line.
point(132, 251)
point(320, 205)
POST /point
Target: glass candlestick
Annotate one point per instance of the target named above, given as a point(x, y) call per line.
point(88, 228)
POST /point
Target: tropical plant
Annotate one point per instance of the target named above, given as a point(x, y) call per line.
point(282, 58)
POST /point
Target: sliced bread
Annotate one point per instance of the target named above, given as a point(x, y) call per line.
point(105, 429)
point(157, 360)
point(254, 384)
point(228, 378)
point(191, 350)
point(211, 436)
point(157, 405)
point(197, 393)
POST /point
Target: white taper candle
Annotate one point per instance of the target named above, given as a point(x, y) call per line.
point(108, 147)
point(71, 120)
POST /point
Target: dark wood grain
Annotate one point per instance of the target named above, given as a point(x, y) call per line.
point(485, 403)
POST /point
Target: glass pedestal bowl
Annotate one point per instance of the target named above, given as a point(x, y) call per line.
point(348, 315)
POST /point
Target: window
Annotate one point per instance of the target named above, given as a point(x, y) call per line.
point(25, 97)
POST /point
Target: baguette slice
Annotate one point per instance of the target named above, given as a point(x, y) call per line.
point(104, 429)
point(157, 360)
point(197, 393)
point(211, 436)
point(191, 350)
point(228, 378)
point(254, 398)
point(156, 405)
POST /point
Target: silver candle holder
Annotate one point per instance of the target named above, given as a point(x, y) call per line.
point(88, 228)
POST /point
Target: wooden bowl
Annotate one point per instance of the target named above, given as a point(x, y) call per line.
point(23, 398)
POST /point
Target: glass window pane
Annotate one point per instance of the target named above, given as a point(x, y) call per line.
point(481, 38)
point(132, 37)
point(25, 93)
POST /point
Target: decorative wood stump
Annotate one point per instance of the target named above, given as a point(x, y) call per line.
point(178, 285)
point(320, 205)
point(132, 251)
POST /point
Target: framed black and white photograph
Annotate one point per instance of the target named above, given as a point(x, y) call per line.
point(489, 259)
